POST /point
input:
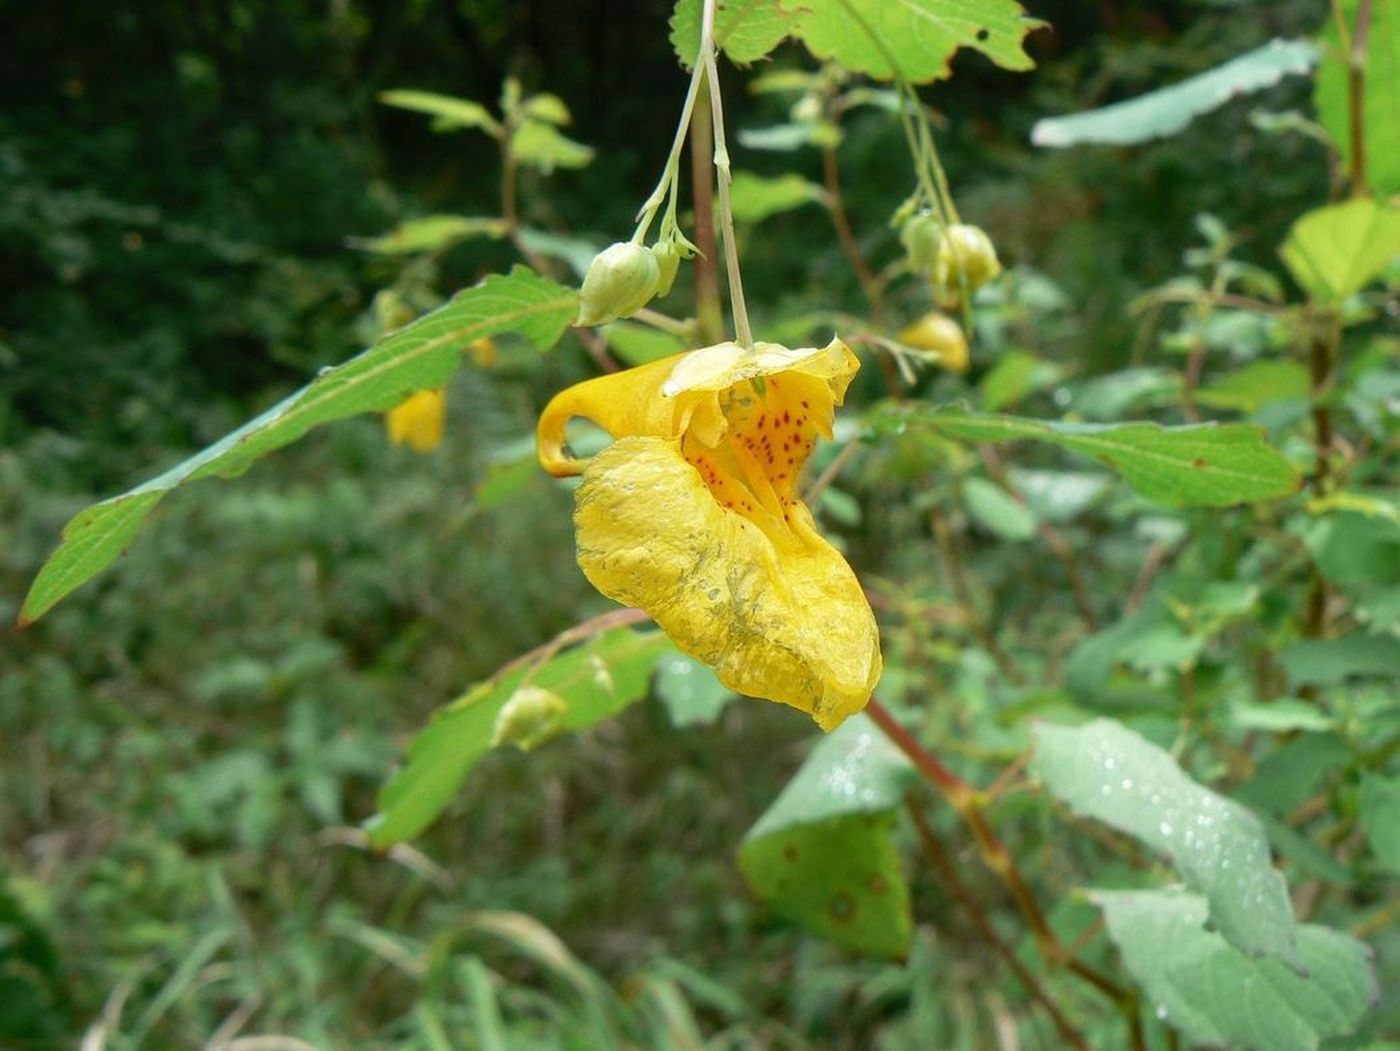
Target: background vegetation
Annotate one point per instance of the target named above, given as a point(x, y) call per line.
point(191, 742)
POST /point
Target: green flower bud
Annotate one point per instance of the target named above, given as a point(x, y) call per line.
point(966, 260)
point(531, 717)
point(620, 281)
point(920, 237)
point(668, 261)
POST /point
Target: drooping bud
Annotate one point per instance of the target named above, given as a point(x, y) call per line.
point(966, 261)
point(920, 237)
point(939, 335)
point(531, 717)
point(620, 281)
point(668, 261)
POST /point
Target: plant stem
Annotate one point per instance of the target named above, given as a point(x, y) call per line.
point(831, 176)
point(1356, 98)
point(966, 799)
point(708, 308)
point(939, 859)
point(737, 307)
point(1322, 360)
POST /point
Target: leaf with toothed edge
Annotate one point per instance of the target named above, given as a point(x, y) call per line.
point(422, 354)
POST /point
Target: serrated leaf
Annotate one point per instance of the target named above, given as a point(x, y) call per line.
point(422, 354)
point(756, 197)
point(1166, 111)
point(1216, 995)
point(596, 681)
point(1105, 771)
point(431, 233)
point(542, 146)
point(1334, 252)
point(919, 35)
point(745, 30)
point(1381, 101)
point(1380, 817)
point(997, 511)
point(691, 692)
point(822, 854)
point(450, 114)
point(1205, 465)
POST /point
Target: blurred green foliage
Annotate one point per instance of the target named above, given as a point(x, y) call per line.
point(191, 742)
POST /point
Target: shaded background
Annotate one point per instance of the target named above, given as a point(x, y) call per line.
point(179, 186)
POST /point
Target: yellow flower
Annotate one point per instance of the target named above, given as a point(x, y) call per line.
point(693, 514)
point(483, 351)
point(418, 420)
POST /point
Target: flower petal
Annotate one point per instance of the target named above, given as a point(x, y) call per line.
point(778, 614)
point(418, 420)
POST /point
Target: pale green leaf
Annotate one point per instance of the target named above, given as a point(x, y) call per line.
point(1058, 496)
point(637, 344)
point(756, 197)
point(822, 854)
point(574, 251)
point(783, 138)
point(1381, 102)
point(548, 108)
point(431, 233)
point(745, 30)
point(1208, 465)
point(997, 511)
point(1105, 771)
point(919, 35)
point(1380, 817)
point(1281, 715)
point(690, 690)
point(1166, 111)
point(1256, 385)
point(1334, 252)
point(596, 681)
point(1016, 375)
point(422, 354)
point(448, 113)
point(542, 146)
point(1216, 995)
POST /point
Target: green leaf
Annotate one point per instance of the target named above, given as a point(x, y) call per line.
point(450, 114)
point(997, 511)
point(919, 35)
point(1381, 102)
point(1014, 376)
point(1336, 251)
point(1380, 817)
point(574, 251)
point(596, 681)
point(822, 854)
point(756, 197)
point(1289, 774)
point(1281, 715)
point(784, 138)
point(430, 234)
point(1166, 111)
point(1324, 662)
point(504, 479)
point(691, 692)
point(1058, 496)
point(422, 354)
point(1105, 771)
point(1256, 385)
point(542, 146)
point(1208, 465)
point(745, 30)
point(1216, 995)
point(637, 344)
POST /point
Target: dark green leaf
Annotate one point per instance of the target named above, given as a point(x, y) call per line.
point(822, 854)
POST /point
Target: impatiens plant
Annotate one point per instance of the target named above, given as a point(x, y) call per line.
point(1205, 676)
